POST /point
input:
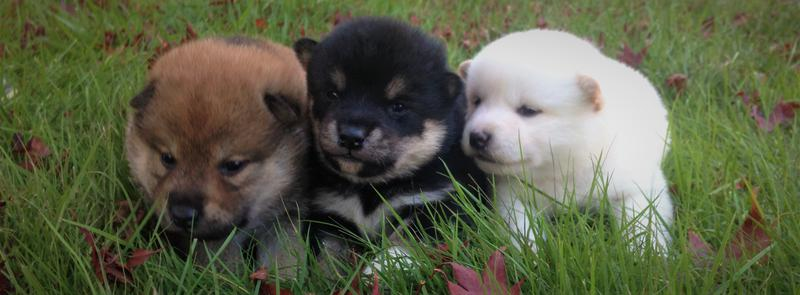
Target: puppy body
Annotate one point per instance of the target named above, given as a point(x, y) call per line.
point(386, 113)
point(217, 141)
point(549, 108)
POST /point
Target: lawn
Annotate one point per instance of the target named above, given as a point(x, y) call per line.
point(69, 69)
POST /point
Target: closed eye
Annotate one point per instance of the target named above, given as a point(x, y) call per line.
point(231, 168)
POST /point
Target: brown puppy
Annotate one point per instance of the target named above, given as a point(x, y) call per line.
point(218, 140)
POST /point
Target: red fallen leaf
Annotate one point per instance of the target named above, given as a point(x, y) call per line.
point(601, 41)
point(631, 58)
point(414, 20)
point(740, 19)
point(443, 32)
point(114, 269)
point(5, 283)
point(271, 289)
point(751, 238)
point(259, 275)
point(787, 50)
point(707, 27)
point(376, 288)
point(137, 39)
point(749, 99)
point(109, 40)
point(222, 2)
point(700, 250)
point(677, 82)
point(339, 17)
point(190, 34)
point(302, 32)
point(33, 151)
point(2, 51)
point(541, 23)
point(138, 257)
point(261, 24)
point(89, 238)
point(68, 8)
point(493, 281)
point(782, 113)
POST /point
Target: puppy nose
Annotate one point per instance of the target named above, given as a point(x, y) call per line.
point(185, 208)
point(352, 136)
point(479, 140)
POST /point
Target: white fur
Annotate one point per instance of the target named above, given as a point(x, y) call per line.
point(559, 150)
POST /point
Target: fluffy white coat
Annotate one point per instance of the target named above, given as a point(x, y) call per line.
point(596, 123)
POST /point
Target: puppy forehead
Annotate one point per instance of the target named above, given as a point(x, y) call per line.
point(516, 84)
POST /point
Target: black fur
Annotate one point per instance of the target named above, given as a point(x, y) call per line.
point(371, 52)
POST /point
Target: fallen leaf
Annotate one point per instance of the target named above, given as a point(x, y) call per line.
point(707, 27)
point(339, 17)
point(5, 283)
point(632, 59)
point(68, 8)
point(261, 24)
point(414, 20)
point(749, 99)
point(443, 32)
point(2, 51)
point(376, 288)
point(601, 40)
point(109, 38)
point(493, 281)
point(222, 2)
point(33, 152)
point(271, 289)
point(782, 113)
point(700, 251)
point(138, 257)
point(751, 238)
point(190, 34)
point(740, 19)
point(541, 23)
point(259, 275)
point(677, 82)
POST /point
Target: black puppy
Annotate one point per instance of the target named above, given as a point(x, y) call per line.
point(386, 113)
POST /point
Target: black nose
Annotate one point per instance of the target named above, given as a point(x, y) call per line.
point(351, 136)
point(185, 208)
point(479, 140)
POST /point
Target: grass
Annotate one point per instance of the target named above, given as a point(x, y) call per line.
point(73, 94)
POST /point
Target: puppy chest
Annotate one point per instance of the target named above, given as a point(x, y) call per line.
point(370, 218)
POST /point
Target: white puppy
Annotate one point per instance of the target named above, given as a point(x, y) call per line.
point(547, 108)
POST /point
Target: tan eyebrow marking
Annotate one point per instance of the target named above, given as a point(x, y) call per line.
point(395, 87)
point(338, 79)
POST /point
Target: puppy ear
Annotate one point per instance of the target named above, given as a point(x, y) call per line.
point(463, 68)
point(303, 48)
point(454, 85)
point(282, 108)
point(143, 98)
point(591, 90)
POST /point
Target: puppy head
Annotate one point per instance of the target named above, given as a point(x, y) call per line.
point(522, 116)
point(381, 98)
point(216, 138)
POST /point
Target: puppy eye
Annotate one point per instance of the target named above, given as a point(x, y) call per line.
point(333, 95)
point(168, 160)
point(231, 168)
point(526, 111)
point(477, 101)
point(397, 108)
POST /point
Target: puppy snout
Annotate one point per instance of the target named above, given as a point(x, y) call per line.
point(185, 208)
point(352, 136)
point(479, 140)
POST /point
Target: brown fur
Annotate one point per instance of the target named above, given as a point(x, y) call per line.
point(592, 90)
point(206, 106)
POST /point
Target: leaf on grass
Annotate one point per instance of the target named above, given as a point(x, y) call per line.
point(271, 289)
point(740, 19)
point(541, 23)
point(5, 283)
point(414, 20)
point(444, 32)
point(493, 281)
point(600, 42)
point(109, 38)
point(707, 27)
point(700, 250)
point(376, 288)
point(189, 35)
point(261, 24)
point(2, 51)
point(751, 238)
point(677, 81)
point(340, 17)
point(138, 257)
point(749, 99)
point(494, 275)
point(782, 113)
point(259, 275)
point(33, 151)
point(630, 58)
point(68, 8)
